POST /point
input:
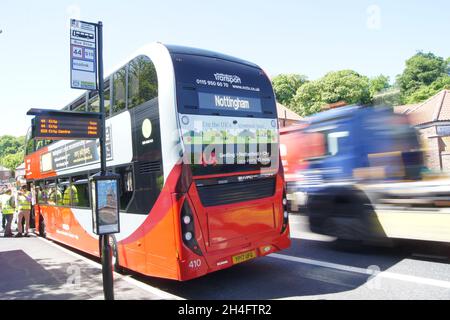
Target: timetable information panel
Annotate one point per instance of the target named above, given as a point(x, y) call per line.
point(59, 128)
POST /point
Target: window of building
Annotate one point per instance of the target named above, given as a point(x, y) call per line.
point(119, 92)
point(142, 81)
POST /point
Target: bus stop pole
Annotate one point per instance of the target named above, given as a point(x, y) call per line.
point(107, 272)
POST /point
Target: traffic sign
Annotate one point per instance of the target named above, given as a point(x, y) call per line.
point(83, 55)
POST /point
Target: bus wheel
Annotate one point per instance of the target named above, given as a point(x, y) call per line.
point(115, 255)
point(42, 232)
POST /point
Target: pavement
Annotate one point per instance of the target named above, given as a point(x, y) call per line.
point(37, 269)
point(312, 268)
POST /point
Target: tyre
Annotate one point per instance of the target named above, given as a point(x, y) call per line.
point(342, 213)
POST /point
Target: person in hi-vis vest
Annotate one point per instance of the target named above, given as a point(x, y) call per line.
point(24, 206)
point(71, 190)
point(7, 203)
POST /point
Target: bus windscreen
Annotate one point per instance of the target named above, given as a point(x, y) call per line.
point(227, 115)
point(211, 86)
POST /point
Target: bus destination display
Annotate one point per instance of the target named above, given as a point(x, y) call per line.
point(57, 128)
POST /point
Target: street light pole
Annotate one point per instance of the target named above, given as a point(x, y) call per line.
point(106, 257)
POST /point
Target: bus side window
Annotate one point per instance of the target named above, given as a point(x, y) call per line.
point(119, 90)
point(42, 194)
point(62, 195)
point(50, 190)
point(80, 192)
point(126, 186)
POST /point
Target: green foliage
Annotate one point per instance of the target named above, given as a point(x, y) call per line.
point(11, 151)
point(286, 85)
point(11, 145)
point(421, 70)
point(344, 85)
point(378, 84)
point(142, 81)
point(425, 92)
point(12, 161)
point(425, 74)
point(308, 99)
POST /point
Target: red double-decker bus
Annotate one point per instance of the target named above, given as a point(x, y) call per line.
point(193, 135)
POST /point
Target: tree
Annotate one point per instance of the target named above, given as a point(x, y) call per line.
point(11, 151)
point(337, 86)
point(12, 161)
point(308, 99)
point(378, 84)
point(422, 69)
point(286, 85)
point(11, 145)
point(345, 85)
point(425, 92)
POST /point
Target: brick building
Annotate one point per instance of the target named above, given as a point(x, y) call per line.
point(432, 120)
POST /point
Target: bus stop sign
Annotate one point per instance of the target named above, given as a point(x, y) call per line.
point(83, 55)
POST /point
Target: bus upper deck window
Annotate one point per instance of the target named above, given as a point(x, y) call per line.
point(119, 92)
point(94, 104)
point(142, 81)
point(107, 101)
point(79, 105)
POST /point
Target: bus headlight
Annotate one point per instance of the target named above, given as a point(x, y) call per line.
point(188, 236)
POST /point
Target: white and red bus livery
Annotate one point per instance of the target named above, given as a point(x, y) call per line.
point(193, 135)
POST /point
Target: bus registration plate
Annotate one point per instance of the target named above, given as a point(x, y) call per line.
point(244, 256)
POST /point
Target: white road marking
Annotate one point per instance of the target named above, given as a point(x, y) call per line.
point(369, 272)
point(160, 293)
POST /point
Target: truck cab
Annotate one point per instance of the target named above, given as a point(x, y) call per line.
point(360, 146)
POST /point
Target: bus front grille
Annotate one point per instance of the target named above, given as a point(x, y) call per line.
point(220, 194)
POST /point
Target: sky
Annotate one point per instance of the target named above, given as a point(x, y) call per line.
point(283, 36)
